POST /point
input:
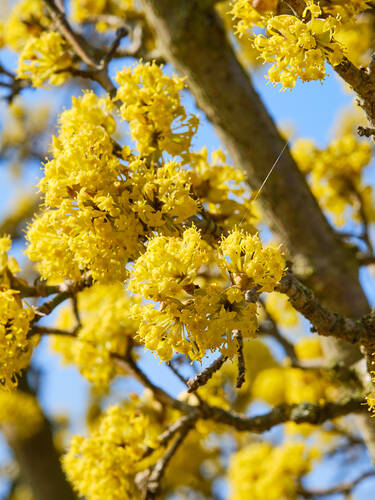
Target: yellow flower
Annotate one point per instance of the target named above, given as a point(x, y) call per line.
point(151, 103)
point(299, 48)
point(335, 175)
point(169, 266)
point(21, 411)
point(203, 323)
point(15, 346)
point(309, 348)
point(104, 465)
point(250, 263)
point(45, 58)
point(27, 20)
point(261, 467)
point(106, 326)
point(6, 262)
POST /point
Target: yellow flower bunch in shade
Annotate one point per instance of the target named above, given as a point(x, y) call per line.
point(218, 390)
point(104, 465)
point(309, 347)
point(24, 123)
point(335, 175)
point(197, 472)
point(222, 190)
point(27, 20)
point(299, 48)
point(293, 386)
point(345, 9)
point(2, 34)
point(6, 262)
point(278, 384)
point(357, 39)
point(45, 59)
point(21, 492)
point(15, 346)
point(246, 51)
point(279, 307)
point(276, 470)
point(20, 411)
point(151, 103)
point(85, 10)
point(106, 326)
point(249, 263)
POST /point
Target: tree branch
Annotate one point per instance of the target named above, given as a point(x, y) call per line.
point(301, 413)
point(204, 376)
point(325, 322)
point(344, 488)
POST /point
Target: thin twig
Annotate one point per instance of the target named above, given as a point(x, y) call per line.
point(241, 360)
point(172, 430)
point(77, 42)
point(157, 473)
point(177, 373)
point(344, 488)
point(203, 377)
point(120, 34)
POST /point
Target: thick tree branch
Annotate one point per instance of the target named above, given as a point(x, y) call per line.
point(301, 413)
point(325, 322)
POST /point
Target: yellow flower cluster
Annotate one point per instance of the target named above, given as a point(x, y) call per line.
point(86, 224)
point(27, 20)
point(151, 103)
point(335, 175)
point(15, 317)
point(86, 10)
point(282, 312)
point(21, 411)
point(21, 492)
point(105, 329)
point(247, 16)
point(345, 9)
point(169, 266)
point(99, 209)
point(221, 188)
point(15, 346)
point(299, 48)
point(261, 467)
point(293, 386)
point(45, 58)
point(106, 206)
point(6, 262)
point(192, 320)
point(219, 389)
point(249, 263)
point(160, 194)
point(357, 39)
point(104, 465)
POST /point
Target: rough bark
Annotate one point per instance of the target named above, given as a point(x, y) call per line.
point(192, 38)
